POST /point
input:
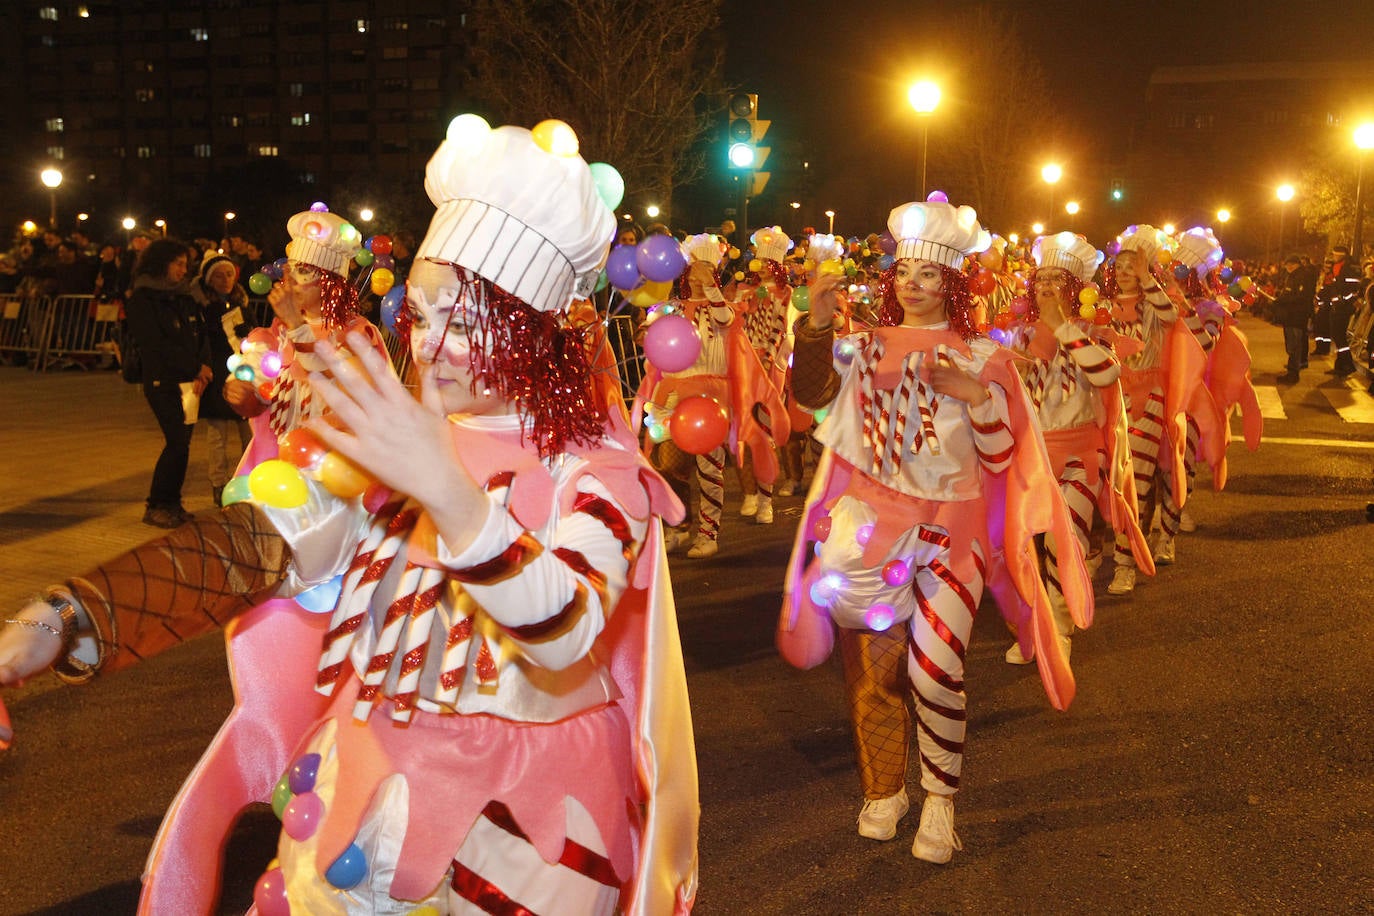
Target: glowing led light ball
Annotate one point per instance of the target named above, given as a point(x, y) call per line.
point(864, 534)
point(244, 373)
point(827, 588)
point(821, 529)
point(271, 364)
point(556, 137)
point(879, 617)
point(844, 351)
point(896, 573)
point(468, 131)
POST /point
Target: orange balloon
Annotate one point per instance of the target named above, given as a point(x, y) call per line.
point(302, 448)
point(342, 477)
point(699, 424)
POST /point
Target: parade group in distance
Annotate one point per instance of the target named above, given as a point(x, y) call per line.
point(445, 583)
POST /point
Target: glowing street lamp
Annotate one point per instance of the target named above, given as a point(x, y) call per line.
point(652, 211)
point(1037, 228)
point(830, 214)
point(1223, 215)
point(1051, 173)
point(1284, 193)
point(161, 224)
point(1168, 228)
point(29, 227)
point(128, 223)
point(1364, 141)
point(924, 96)
point(82, 217)
point(229, 217)
point(366, 214)
point(51, 178)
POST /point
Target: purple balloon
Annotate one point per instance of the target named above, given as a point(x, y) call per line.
point(887, 243)
point(384, 260)
point(938, 197)
point(672, 343)
point(621, 269)
point(303, 773)
point(302, 815)
point(659, 258)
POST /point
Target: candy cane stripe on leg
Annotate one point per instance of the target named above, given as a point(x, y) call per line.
point(711, 475)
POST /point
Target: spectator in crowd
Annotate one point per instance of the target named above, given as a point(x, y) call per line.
point(1293, 310)
point(222, 301)
point(107, 274)
point(402, 254)
point(166, 322)
point(128, 264)
point(73, 274)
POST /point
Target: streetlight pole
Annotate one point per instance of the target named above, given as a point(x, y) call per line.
point(830, 214)
point(924, 97)
point(51, 178)
point(1364, 141)
point(1052, 172)
point(1284, 192)
point(229, 215)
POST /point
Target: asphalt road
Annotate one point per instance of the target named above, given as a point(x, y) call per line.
point(1217, 758)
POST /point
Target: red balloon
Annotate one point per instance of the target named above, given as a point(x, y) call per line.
point(302, 448)
point(699, 424)
point(381, 244)
point(982, 282)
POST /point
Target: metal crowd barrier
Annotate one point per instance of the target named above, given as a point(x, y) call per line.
point(81, 332)
point(23, 329)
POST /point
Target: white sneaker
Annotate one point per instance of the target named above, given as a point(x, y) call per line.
point(1186, 523)
point(764, 516)
point(936, 839)
point(785, 488)
point(1123, 581)
point(1014, 656)
point(676, 538)
point(1164, 550)
point(749, 506)
point(1094, 562)
point(879, 817)
point(703, 547)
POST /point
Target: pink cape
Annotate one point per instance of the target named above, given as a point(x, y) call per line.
point(1021, 502)
point(1228, 379)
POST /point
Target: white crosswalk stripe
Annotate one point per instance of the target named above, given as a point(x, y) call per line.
point(1350, 400)
point(1271, 405)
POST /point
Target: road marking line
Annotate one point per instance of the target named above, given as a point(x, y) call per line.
point(1327, 443)
point(1350, 400)
point(1271, 405)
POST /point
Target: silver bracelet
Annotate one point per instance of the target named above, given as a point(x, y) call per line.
point(34, 625)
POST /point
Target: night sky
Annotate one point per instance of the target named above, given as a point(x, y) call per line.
point(835, 82)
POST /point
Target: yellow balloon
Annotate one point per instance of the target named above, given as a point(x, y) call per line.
point(755, 266)
point(555, 136)
point(831, 267)
point(1087, 312)
point(651, 294)
point(1088, 296)
point(734, 254)
point(277, 484)
point(382, 281)
point(342, 477)
point(1246, 283)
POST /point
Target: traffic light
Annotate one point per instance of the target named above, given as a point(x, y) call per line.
point(1118, 189)
point(745, 133)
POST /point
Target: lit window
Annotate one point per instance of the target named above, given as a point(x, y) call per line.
point(300, 120)
point(49, 13)
point(297, 90)
point(267, 151)
point(145, 95)
point(54, 125)
point(361, 25)
point(145, 152)
point(202, 150)
point(200, 34)
point(55, 152)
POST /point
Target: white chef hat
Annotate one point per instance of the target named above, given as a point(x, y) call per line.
point(323, 239)
point(937, 231)
point(518, 209)
point(704, 247)
point(1199, 249)
point(771, 244)
point(825, 247)
point(1145, 239)
point(1069, 251)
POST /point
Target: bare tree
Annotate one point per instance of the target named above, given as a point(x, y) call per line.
point(632, 77)
point(1327, 204)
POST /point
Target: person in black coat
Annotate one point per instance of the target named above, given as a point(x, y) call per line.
point(223, 304)
point(1293, 310)
point(166, 322)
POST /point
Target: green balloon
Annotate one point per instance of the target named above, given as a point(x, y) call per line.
point(235, 491)
point(601, 281)
point(364, 258)
point(610, 187)
point(260, 284)
point(281, 794)
point(801, 298)
point(761, 293)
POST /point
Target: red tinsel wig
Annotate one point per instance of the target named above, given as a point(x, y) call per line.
point(1111, 289)
point(534, 359)
point(339, 303)
point(959, 304)
point(1073, 286)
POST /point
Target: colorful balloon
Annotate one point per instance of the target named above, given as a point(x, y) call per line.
point(364, 258)
point(659, 258)
point(379, 245)
point(281, 794)
point(556, 137)
point(982, 282)
point(391, 307)
point(801, 298)
point(622, 269)
point(1088, 295)
point(671, 343)
point(382, 281)
point(260, 284)
point(301, 448)
point(699, 424)
point(385, 260)
point(276, 483)
point(649, 294)
point(301, 816)
point(303, 773)
point(342, 477)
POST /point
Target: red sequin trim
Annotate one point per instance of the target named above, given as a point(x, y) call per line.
point(503, 566)
point(477, 890)
point(486, 665)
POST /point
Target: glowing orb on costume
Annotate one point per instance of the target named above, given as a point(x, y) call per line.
point(699, 424)
point(348, 869)
point(556, 137)
point(658, 432)
point(276, 483)
point(1087, 312)
point(801, 298)
point(610, 186)
point(233, 362)
point(269, 894)
point(879, 617)
point(342, 477)
point(1089, 295)
point(864, 534)
point(821, 529)
point(314, 229)
point(671, 343)
point(265, 391)
point(319, 206)
point(244, 373)
point(937, 197)
point(260, 284)
point(896, 573)
point(844, 351)
point(1000, 336)
point(304, 772)
point(301, 816)
point(349, 233)
point(468, 132)
point(281, 794)
point(827, 588)
point(271, 364)
point(322, 598)
point(821, 414)
point(235, 491)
